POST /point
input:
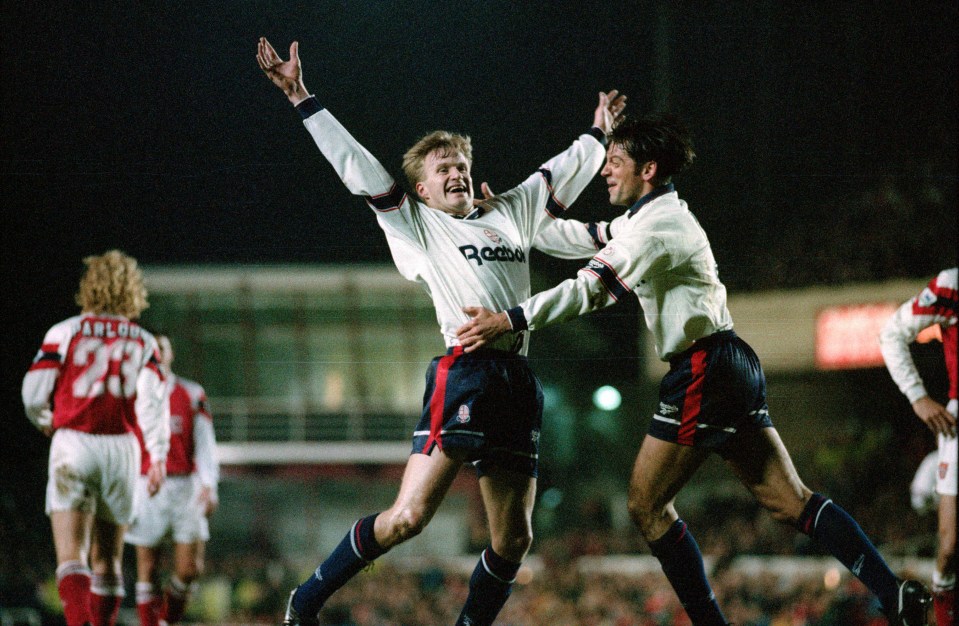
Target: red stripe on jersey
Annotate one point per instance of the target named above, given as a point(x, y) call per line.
point(950, 348)
point(692, 404)
point(51, 348)
point(48, 357)
point(946, 300)
point(46, 362)
point(438, 399)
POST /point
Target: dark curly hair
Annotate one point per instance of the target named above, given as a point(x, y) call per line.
point(659, 137)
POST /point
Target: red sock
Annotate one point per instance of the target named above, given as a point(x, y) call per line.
point(943, 604)
point(104, 609)
point(106, 591)
point(148, 605)
point(73, 583)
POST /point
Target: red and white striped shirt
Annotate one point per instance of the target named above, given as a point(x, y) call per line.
point(938, 304)
point(192, 441)
point(99, 374)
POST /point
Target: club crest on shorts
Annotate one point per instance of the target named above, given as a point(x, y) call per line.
point(943, 470)
point(463, 414)
point(493, 236)
point(534, 436)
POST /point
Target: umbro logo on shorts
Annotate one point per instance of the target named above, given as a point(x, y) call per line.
point(667, 409)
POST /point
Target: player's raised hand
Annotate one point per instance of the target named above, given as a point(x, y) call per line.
point(287, 75)
point(487, 194)
point(609, 111)
point(483, 328)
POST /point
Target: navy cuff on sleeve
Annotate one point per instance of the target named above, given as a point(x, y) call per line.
point(517, 318)
point(309, 107)
point(600, 135)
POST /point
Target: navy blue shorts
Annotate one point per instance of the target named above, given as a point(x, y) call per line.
point(713, 390)
point(488, 404)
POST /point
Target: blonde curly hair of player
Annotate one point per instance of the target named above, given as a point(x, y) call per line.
point(112, 284)
point(445, 142)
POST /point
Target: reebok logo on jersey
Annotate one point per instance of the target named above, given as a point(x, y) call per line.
point(499, 253)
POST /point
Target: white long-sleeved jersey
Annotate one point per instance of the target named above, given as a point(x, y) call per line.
point(657, 252)
point(478, 260)
point(192, 439)
point(938, 304)
point(99, 374)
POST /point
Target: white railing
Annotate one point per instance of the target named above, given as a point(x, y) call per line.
point(248, 419)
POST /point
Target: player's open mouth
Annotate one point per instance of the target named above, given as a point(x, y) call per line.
point(457, 189)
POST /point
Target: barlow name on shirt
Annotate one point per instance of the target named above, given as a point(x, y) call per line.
point(109, 329)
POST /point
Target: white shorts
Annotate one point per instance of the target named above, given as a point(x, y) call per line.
point(173, 512)
point(946, 471)
point(93, 474)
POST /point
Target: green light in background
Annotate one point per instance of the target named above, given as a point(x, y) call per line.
point(607, 398)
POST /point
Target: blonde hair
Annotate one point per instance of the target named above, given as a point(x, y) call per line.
point(445, 142)
point(112, 284)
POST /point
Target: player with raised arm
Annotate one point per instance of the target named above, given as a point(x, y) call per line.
point(936, 305)
point(485, 407)
point(94, 379)
point(181, 509)
point(713, 399)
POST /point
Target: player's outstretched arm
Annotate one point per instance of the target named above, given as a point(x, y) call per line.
point(287, 75)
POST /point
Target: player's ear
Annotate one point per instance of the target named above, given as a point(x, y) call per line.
point(422, 191)
point(648, 171)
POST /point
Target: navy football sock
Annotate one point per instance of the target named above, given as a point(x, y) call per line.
point(830, 525)
point(355, 552)
point(682, 563)
point(490, 586)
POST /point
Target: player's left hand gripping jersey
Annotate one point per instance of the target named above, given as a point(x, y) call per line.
point(937, 304)
point(192, 440)
point(99, 374)
point(477, 260)
point(656, 252)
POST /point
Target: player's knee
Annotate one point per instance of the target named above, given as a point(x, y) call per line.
point(405, 524)
point(642, 514)
point(190, 572)
point(515, 546)
point(785, 509)
point(782, 513)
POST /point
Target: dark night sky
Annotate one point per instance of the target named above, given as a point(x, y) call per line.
point(150, 128)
